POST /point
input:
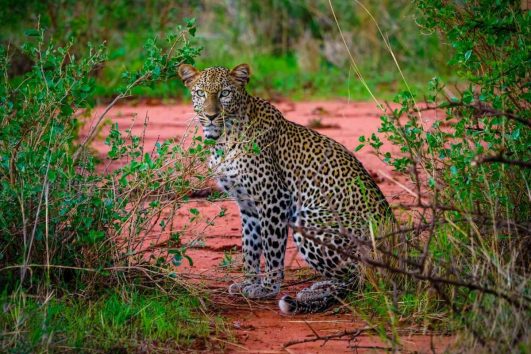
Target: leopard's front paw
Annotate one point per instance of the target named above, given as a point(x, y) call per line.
point(237, 288)
point(258, 291)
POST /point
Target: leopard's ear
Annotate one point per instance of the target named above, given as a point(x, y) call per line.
point(187, 73)
point(241, 73)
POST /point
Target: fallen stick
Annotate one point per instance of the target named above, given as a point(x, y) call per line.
point(345, 333)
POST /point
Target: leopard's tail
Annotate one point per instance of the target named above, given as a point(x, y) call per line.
point(289, 305)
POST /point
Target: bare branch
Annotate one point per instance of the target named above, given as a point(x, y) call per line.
point(518, 302)
point(351, 334)
point(500, 158)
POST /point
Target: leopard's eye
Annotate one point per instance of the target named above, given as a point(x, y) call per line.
point(225, 93)
point(200, 93)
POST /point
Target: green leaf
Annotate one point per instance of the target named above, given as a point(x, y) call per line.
point(52, 175)
point(190, 22)
point(190, 261)
point(256, 149)
point(194, 211)
point(468, 54)
point(209, 142)
point(359, 147)
point(175, 236)
point(95, 236)
point(177, 260)
point(31, 32)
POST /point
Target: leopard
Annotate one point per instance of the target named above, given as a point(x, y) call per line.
point(285, 176)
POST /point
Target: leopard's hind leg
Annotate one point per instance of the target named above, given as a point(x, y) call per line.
point(341, 272)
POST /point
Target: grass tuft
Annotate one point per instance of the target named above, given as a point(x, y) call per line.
point(125, 320)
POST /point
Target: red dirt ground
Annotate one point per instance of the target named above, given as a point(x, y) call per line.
point(258, 326)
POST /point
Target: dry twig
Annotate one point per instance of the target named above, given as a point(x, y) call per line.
point(350, 334)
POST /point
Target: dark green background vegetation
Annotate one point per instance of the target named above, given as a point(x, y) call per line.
point(294, 47)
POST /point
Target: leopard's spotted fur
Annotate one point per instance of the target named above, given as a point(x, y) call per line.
point(283, 174)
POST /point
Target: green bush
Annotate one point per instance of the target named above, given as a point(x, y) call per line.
point(469, 173)
point(293, 48)
point(73, 236)
point(57, 211)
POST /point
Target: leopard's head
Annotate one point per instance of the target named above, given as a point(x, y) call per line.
point(218, 95)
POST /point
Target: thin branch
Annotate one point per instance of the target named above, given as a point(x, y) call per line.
point(482, 109)
point(351, 334)
point(519, 302)
point(94, 128)
point(501, 159)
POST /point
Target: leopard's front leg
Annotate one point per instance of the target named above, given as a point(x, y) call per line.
point(251, 248)
point(272, 211)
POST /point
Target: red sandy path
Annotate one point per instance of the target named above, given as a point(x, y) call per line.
point(259, 326)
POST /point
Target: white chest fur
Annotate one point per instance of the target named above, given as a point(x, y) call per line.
point(228, 168)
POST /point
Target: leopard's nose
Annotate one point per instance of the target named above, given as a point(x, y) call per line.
point(211, 117)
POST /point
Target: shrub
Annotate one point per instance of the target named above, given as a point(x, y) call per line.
point(469, 173)
point(63, 224)
point(76, 269)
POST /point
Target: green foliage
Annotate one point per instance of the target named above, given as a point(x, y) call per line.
point(228, 259)
point(38, 128)
point(467, 156)
point(489, 118)
point(112, 322)
point(379, 306)
point(56, 208)
point(71, 231)
point(283, 75)
point(292, 47)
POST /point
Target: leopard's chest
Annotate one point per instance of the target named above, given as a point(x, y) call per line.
point(230, 172)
